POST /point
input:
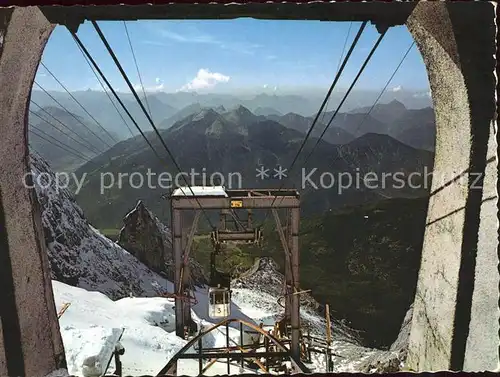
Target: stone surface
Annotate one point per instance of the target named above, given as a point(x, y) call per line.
point(482, 343)
point(29, 328)
point(394, 359)
point(462, 86)
point(150, 241)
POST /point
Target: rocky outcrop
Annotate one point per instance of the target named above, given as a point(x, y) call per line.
point(144, 237)
point(79, 255)
point(394, 359)
point(150, 241)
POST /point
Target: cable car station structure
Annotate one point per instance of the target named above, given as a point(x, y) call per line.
point(227, 201)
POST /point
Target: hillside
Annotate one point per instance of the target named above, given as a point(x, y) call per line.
point(97, 103)
point(334, 135)
point(230, 146)
point(362, 261)
point(76, 134)
point(414, 127)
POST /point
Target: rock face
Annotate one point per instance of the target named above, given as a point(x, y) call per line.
point(394, 359)
point(79, 255)
point(144, 237)
point(150, 241)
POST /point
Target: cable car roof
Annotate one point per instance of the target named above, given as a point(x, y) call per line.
point(201, 191)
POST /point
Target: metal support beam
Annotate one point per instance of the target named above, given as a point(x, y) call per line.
point(285, 243)
point(262, 202)
point(233, 355)
point(192, 232)
point(177, 246)
point(288, 267)
point(186, 272)
point(295, 312)
point(248, 236)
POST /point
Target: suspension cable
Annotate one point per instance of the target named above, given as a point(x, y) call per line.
point(93, 150)
point(105, 91)
point(83, 157)
point(338, 67)
point(87, 54)
point(373, 107)
point(131, 87)
point(334, 83)
point(367, 60)
point(78, 102)
point(385, 87)
point(137, 68)
point(96, 66)
point(59, 146)
point(71, 114)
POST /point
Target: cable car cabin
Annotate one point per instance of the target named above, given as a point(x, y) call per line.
point(219, 304)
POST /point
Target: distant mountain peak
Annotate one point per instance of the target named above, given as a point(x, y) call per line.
point(220, 109)
point(293, 115)
point(379, 139)
point(242, 110)
point(395, 102)
point(205, 112)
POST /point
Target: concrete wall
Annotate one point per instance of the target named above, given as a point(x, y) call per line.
point(483, 340)
point(31, 343)
point(459, 56)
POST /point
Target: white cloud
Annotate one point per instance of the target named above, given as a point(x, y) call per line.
point(397, 88)
point(196, 36)
point(158, 87)
point(204, 80)
point(422, 94)
point(265, 86)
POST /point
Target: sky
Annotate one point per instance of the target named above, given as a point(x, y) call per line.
point(227, 56)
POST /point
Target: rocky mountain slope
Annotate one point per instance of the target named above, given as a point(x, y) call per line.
point(333, 135)
point(79, 255)
point(363, 261)
point(414, 127)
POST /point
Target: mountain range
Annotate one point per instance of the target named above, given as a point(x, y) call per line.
point(163, 105)
point(233, 145)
